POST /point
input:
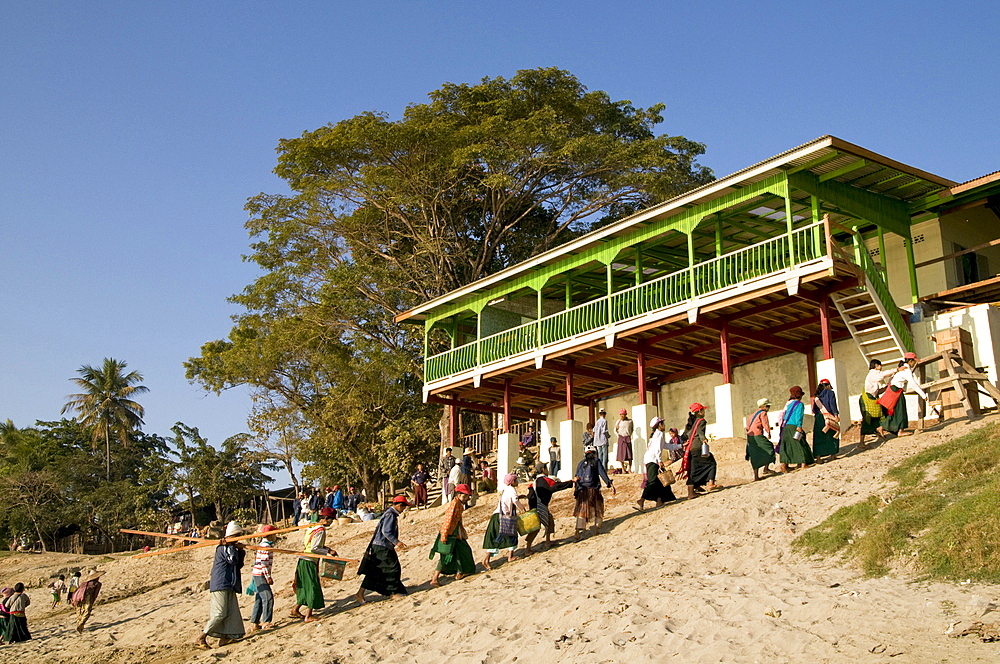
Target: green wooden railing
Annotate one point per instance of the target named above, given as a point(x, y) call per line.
point(758, 260)
point(880, 290)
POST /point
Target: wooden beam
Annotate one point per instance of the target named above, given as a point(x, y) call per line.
point(727, 369)
point(685, 359)
point(455, 404)
point(760, 337)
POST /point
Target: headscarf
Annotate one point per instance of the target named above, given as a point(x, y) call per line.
point(510, 479)
point(795, 392)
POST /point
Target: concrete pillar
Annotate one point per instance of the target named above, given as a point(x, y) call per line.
point(641, 415)
point(728, 412)
point(571, 446)
point(836, 373)
point(506, 453)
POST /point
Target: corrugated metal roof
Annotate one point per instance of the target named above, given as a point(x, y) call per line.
point(878, 174)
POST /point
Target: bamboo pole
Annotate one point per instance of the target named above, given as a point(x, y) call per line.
point(200, 542)
point(299, 553)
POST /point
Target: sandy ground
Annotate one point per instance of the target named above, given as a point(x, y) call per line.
point(708, 580)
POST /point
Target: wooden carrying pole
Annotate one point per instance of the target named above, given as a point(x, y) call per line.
point(307, 554)
point(200, 542)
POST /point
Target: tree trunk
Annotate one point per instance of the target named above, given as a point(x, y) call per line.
point(107, 448)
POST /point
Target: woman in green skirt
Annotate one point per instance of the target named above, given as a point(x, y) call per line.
point(794, 448)
point(452, 542)
point(894, 399)
point(826, 439)
point(760, 450)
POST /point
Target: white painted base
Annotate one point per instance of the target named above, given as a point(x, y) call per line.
point(506, 453)
point(571, 444)
point(728, 416)
point(641, 415)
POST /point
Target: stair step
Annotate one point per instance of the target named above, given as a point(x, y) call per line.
point(868, 305)
point(852, 296)
point(875, 341)
point(872, 329)
point(866, 319)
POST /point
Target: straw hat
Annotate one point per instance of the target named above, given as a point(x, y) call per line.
point(93, 576)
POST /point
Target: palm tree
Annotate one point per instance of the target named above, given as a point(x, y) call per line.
point(105, 404)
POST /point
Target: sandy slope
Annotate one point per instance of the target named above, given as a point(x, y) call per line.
point(711, 580)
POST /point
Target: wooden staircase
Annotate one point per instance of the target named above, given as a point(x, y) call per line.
point(870, 325)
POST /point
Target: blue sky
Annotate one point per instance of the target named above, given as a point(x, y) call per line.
point(131, 134)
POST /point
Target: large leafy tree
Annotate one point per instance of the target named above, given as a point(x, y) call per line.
point(224, 477)
point(385, 213)
point(105, 404)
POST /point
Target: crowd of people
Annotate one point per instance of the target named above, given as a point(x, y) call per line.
point(883, 409)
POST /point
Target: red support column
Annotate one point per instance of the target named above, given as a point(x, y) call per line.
point(824, 324)
point(727, 366)
point(655, 400)
point(591, 412)
point(452, 426)
point(640, 365)
point(506, 405)
point(569, 395)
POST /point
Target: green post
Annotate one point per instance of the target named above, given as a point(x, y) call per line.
point(538, 321)
point(569, 292)
point(638, 265)
point(611, 288)
point(911, 264)
point(881, 248)
point(818, 230)
point(479, 338)
point(691, 263)
point(788, 228)
point(428, 326)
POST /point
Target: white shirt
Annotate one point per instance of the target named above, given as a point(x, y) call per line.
point(873, 381)
point(904, 378)
point(654, 450)
point(508, 500)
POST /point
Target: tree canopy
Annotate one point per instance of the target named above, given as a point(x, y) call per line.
point(385, 213)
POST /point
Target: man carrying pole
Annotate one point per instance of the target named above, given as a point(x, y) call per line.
point(225, 585)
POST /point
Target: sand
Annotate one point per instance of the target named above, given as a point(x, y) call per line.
point(708, 580)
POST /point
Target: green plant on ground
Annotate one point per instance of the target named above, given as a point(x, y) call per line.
point(941, 520)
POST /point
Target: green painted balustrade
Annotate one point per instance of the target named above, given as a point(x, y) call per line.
point(877, 280)
point(768, 257)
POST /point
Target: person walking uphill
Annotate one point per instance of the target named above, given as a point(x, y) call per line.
point(380, 564)
point(826, 429)
point(539, 496)
point(501, 532)
point(4, 613)
point(84, 598)
point(699, 464)
point(760, 449)
point(263, 600)
point(308, 591)
point(589, 501)
point(894, 400)
point(452, 542)
point(872, 413)
point(444, 472)
point(655, 489)
point(793, 448)
point(225, 621)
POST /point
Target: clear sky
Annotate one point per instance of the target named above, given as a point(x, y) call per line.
point(132, 133)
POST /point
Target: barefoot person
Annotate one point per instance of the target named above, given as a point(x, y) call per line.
point(623, 429)
point(760, 449)
point(872, 413)
point(380, 564)
point(501, 532)
point(225, 586)
point(452, 542)
point(894, 400)
point(263, 596)
point(826, 429)
point(84, 598)
point(539, 496)
point(589, 501)
point(654, 489)
point(308, 591)
point(699, 464)
point(794, 449)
